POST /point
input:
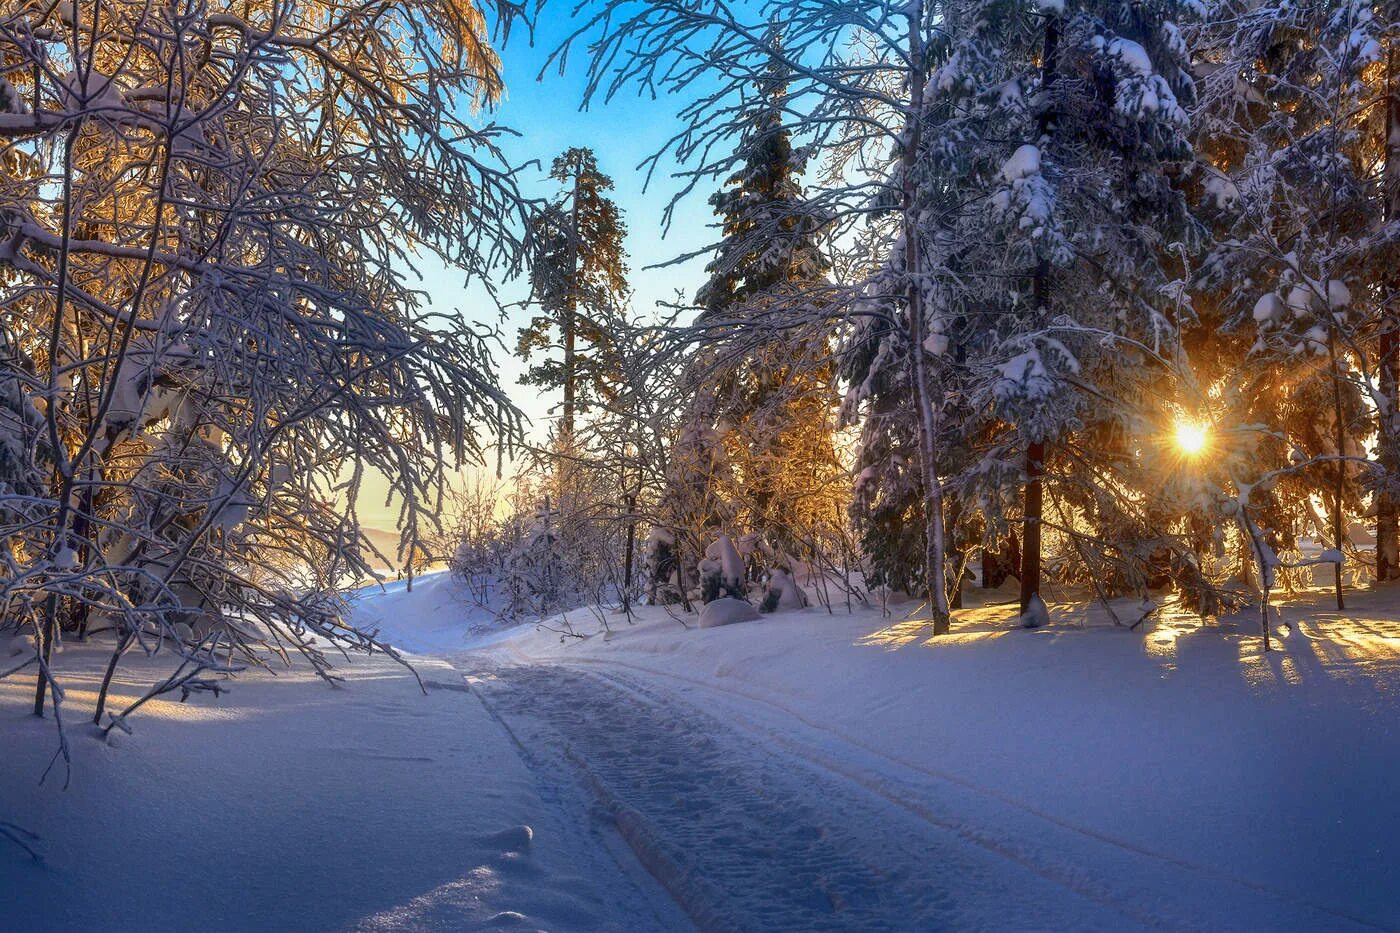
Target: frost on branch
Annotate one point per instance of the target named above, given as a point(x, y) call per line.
point(200, 369)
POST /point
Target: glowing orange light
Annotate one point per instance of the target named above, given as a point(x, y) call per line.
point(1191, 437)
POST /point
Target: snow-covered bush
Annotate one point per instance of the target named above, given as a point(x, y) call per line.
point(722, 572)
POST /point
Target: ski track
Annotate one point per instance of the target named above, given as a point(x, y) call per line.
point(755, 824)
point(633, 886)
point(1193, 895)
point(745, 836)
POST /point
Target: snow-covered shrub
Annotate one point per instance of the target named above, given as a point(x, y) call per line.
point(726, 611)
point(782, 594)
point(722, 572)
point(663, 570)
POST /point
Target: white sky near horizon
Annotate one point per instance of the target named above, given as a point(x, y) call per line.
point(622, 134)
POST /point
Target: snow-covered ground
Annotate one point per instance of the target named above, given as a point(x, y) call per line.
point(1081, 775)
point(803, 771)
point(285, 804)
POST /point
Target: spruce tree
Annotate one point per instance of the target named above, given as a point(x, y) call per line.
point(762, 410)
point(578, 279)
point(1299, 120)
point(1043, 175)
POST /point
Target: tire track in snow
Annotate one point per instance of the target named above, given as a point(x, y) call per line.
point(567, 800)
point(749, 837)
point(1153, 887)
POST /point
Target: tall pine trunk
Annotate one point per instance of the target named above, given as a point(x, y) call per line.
point(935, 559)
point(1340, 477)
point(1034, 509)
point(570, 322)
point(1387, 506)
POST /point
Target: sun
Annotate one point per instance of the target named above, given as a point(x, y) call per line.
point(1191, 437)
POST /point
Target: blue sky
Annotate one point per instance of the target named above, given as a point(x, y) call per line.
point(547, 115)
point(622, 133)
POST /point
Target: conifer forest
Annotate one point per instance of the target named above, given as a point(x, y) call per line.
point(699, 464)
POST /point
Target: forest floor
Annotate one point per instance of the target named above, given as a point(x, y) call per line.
point(810, 770)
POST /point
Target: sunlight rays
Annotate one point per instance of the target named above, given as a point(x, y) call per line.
point(1192, 437)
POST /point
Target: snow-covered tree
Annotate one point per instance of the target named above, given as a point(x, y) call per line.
point(1080, 214)
point(1052, 258)
point(755, 453)
point(209, 333)
point(1297, 120)
point(1048, 143)
point(856, 78)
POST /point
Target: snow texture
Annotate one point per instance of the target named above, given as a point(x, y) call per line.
point(1024, 163)
point(288, 804)
point(760, 782)
point(1036, 614)
point(726, 611)
point(631, 780)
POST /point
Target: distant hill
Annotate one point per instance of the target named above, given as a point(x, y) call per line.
point(387, 541)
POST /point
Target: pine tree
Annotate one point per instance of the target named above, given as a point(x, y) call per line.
point(578, 278)
point(762, 411)
point(1298, 106)
point(1388, 337)
point(1070, 125)
point(1043, 185)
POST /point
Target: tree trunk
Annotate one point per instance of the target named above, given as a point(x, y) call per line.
point(1340, 479)
point(1034, 509)
point(569, 325)
point(44, 635)
point(1033, 506)
point(935, 559)
point(1387, 506)
point(627, 565)
point(957, 548)
point(117, 653)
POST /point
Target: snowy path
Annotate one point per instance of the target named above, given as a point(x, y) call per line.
point(753, 818)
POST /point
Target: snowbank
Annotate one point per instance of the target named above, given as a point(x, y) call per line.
point(726, 611)
point(1173, 777)
point(438, 616)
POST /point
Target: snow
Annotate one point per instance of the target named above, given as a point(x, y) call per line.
point(783, 593)
point(727, 562)
point(936, 343)
point(1221, 191)
point(1338, 295)
point(1173, 773)
point(1316, 341)
point(443, 613)
point(1300, 299)
point(1024, 375)
point(286, 803)
point(818, 770)
point(1268, 308)
point(1023, 163)
point(1364, 47)
point(726, 611)
point(1132, 55)
point(1036, 614)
